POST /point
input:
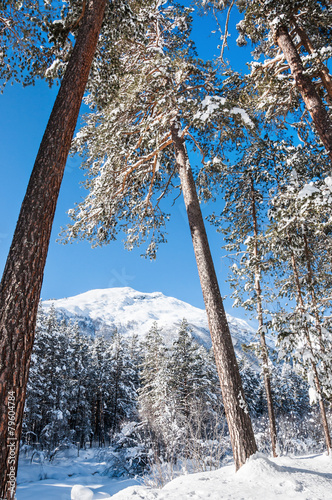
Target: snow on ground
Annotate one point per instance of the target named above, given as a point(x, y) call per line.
point(261, 478)
point(57, 480)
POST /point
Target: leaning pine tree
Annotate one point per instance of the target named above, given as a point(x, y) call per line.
point(136, 147)
point(294, 38)
point(23, 275)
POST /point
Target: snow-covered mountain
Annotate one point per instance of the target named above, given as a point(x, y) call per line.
point(101, 311)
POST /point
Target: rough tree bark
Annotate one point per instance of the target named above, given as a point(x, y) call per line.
point(23, 275)
point(259, 307)
point(306, 87)
point(239, 423)
point(322, 68)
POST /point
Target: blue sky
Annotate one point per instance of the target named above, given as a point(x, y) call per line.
point(76, 268)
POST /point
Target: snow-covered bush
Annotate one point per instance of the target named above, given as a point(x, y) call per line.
point(130, 453)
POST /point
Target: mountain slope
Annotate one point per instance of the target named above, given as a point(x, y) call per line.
point(101, 311)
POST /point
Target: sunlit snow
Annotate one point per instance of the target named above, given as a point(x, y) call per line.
point(261, 478)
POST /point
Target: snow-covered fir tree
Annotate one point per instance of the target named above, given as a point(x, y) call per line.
point(48, 400)
point(80, 390)
point(300, 237)
point(124, 383)
point(80, 385)
point(193, 391)
point(190, 382)
point(154, 404)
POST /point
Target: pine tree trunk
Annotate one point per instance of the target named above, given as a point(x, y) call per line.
point(23, 274)
point(101, 422)
point(115, 405)
point(313, 365)
point(259, 306)
point(239, 423)
point(306, 87)
point(322, 69)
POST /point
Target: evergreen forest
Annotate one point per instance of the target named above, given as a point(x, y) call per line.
point(147, 404)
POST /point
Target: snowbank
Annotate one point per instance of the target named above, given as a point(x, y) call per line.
point(262, 478)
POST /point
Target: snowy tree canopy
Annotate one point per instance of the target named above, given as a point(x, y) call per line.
point(127, 145)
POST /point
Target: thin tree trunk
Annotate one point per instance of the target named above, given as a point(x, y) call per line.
point(115, 406)
point(259, 307)
point(99, 424)
point(313, 365)
point(23, 274)
point(307, 89)
point(310, 280)
point(239, 423)
point(101, 435)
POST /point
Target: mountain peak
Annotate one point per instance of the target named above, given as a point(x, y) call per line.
point(129, 311)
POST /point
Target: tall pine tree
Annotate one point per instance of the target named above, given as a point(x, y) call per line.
point(136, 150)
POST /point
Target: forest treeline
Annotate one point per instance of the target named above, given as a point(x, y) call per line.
point(150, 403)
